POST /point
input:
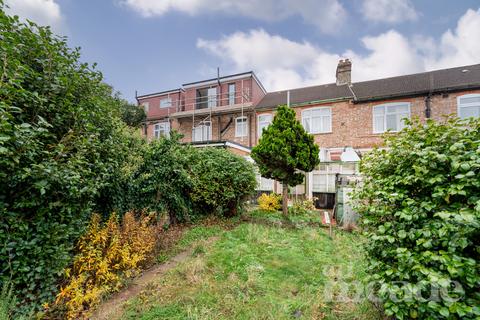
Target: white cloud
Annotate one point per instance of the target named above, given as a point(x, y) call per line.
point(327, 15)
point(43, 12)
point(389, 11)
point(282, 63)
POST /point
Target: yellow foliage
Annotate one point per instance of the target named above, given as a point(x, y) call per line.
point(107, 254)
point(269, 202)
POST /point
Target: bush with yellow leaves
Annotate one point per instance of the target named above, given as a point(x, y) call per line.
point(107, 255)
point(269, 202)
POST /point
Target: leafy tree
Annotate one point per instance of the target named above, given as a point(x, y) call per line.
point(132, 115)
point(285, 151)
point(420, 206)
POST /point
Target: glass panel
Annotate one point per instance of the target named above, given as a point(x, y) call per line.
point(231, 94)
point(378, 110)
point(392, 122)
point(165, 103)
point(401, 108)
point(466, 112)
point(306, 124)
point(316, 124)
point(378, 123)
point(326, 124)
point(212, 97)
point(475, 99)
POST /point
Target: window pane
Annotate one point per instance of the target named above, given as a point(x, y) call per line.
point(316, 124)
point(466, 112)
point(379, 110)
point(378, 123)
point(306, 124)
point(326, 124)
point(392, 122)
point(474, 100)
point(401, 108)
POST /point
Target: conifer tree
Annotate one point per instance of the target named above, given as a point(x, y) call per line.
point(286, 151)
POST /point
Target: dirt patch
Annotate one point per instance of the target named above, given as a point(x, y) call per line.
point(113, 307)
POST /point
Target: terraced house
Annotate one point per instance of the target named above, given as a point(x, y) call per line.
point(347, 118)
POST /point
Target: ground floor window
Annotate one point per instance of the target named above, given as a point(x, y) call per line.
point(202, 132)
point(161, 129)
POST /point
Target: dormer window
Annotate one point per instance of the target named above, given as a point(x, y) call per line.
point(166, 103)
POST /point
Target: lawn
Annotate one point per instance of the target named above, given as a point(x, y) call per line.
point(262, 271)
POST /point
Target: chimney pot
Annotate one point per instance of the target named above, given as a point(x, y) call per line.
point(344, 72)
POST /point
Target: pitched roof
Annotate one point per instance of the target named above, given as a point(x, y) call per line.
point(465, 77)
point(307, 94)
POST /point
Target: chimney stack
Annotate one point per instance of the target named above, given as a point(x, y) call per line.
point(344, 72)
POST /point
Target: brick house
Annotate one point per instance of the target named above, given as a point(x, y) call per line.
point(346, 118)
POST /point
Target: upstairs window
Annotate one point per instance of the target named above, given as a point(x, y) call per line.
point(166, 103)
point(468, 106)
point(231, 94)
point(317, 120)
point(212, 97)
point(241, 124)
point(390, 117)
point(264, 120)
point(146, 106)
point(161, 129)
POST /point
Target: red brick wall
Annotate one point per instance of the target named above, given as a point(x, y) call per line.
point(154, 110)
point(352, 124)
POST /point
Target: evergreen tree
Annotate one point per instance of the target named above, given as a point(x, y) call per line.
point(286, 151)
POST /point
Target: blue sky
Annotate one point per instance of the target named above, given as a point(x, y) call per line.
point(155, 45)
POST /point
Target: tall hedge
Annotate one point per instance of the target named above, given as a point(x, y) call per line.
point(61, 140)
point(420, 207)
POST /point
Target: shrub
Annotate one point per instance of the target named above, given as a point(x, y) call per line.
point(420, 208)
point(269, 202)
point(107, 255)
point(61, 141)
point(301, 207)
point(161, 182)
point(221, 180)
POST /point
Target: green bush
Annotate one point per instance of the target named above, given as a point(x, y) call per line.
point(420, 208)
point(61, 141)
point(221, 181)
point(161, 183)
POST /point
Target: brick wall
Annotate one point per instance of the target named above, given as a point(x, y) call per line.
point(352, 124)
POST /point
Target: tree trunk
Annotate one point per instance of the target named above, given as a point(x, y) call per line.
point(285, 199)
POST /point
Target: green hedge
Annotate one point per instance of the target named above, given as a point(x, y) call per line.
point(188, 182)
point(420, 206)
point(61, 141)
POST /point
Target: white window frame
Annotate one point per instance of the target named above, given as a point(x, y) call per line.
point(166, 102)
point(238, 133)
point(206, 132)
point(305, 117)
point(161, 129)
point(231, 95)
point(261, 124)
point(464, 105)
point(212, 97)
point(386, 106)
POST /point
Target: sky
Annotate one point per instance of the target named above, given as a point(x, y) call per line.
point(148, 46)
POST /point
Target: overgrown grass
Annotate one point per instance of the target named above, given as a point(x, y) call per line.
point(190, 236)
point(261, 272)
